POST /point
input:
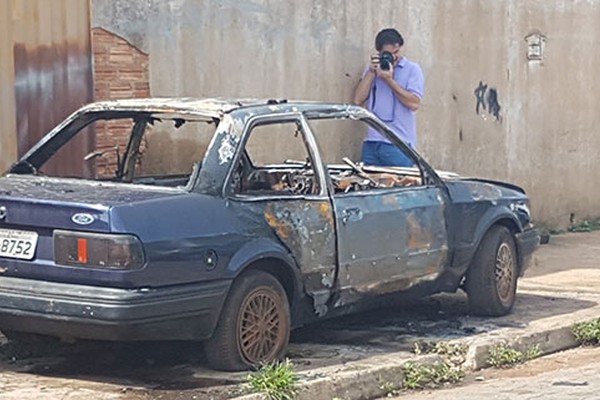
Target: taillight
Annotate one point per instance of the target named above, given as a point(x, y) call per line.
point(97, 250)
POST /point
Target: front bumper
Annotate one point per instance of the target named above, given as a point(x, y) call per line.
point(185, 312)
point(527, 242)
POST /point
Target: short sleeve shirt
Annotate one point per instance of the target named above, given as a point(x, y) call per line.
point(383, 103)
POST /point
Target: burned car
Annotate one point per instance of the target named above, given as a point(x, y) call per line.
point(232, 222)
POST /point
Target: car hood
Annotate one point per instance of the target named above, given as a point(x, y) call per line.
point(451, 176)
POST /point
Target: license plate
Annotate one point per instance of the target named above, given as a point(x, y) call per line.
point(17, 244)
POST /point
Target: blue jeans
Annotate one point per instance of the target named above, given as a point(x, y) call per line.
point(383, 154)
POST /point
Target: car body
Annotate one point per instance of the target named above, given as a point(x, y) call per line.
point(242, 244)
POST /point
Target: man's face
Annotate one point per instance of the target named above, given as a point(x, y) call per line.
point(394, 49)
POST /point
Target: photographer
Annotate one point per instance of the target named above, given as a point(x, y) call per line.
point(392, 87)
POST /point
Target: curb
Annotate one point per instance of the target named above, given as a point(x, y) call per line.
point(366, 382)
point(549, 341)
point(348, 385)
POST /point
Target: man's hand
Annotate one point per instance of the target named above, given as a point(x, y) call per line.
point(374, 66)
point(386, 75)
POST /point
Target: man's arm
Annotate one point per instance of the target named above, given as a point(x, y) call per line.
point(361, 93)
point(408, 98)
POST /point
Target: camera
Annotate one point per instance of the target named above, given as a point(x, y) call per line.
point(386, 59)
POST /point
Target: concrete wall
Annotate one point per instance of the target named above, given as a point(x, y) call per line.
point(537, 118)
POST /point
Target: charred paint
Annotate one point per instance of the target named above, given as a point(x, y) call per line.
point(400, 234)
point(307, 229)
point(418, 236)
point(486, 192)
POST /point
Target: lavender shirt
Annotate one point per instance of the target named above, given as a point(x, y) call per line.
point(383, 103)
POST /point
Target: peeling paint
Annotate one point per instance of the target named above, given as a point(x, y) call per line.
point(227, 149)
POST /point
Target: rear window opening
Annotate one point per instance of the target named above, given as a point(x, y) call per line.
point(140, 148)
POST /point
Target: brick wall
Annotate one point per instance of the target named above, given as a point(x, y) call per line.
point(120, 72)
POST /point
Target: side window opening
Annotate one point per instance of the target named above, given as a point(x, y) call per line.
point(275, 161)
point(340, 141)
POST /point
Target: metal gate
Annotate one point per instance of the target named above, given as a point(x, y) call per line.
point(45, 74)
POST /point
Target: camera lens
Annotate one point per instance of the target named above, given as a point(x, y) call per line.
point(385, 60)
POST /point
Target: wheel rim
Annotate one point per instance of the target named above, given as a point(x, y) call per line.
point(261, 329)
point(504, 272)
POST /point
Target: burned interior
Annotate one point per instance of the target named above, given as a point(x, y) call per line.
point(164, 148)
point(287, 166)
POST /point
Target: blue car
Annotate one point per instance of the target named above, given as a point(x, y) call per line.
point(231, 222)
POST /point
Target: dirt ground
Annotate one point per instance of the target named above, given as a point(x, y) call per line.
point(173, 371)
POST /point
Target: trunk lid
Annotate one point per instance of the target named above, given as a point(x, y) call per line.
point(40, 202)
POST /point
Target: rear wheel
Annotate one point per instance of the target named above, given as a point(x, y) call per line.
point(491, 282)
point(254, 326)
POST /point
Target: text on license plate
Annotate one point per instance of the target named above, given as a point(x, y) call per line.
point(17, 244)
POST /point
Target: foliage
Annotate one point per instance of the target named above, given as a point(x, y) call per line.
point(585, 226)
point(533, 352)
point(587, 333)
point(505, 356)
point(276, 380)
point(419, 376)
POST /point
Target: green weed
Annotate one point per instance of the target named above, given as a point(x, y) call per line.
point(418, 376)
point(502, 356)
point(276, 381)
point(587, 333)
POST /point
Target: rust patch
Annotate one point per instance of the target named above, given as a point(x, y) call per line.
point(418, 236)
point(325, 210)
point(276, 224)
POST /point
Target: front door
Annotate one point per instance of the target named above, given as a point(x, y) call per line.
point(389, 239)
point(391, 230)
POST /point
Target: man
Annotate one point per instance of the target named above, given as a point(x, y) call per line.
point(393, 95)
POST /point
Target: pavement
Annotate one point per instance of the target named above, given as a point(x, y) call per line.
point(346, 358)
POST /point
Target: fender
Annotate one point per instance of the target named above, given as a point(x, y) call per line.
point(259, 249)
point(492, 216)
point(463, 255)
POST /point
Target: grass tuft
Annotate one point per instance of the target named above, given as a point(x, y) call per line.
point(418, 376)
point(276, 381)
point(587, 333)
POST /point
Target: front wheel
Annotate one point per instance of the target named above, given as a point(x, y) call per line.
point(491, 282)
point(254, 326)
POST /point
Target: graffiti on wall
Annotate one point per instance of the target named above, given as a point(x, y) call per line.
point(487, 101)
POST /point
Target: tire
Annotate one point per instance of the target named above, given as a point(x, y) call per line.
point(491, 283)
point(254, 326)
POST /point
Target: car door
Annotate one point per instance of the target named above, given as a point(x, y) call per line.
point(388, 238)
point(279, 178)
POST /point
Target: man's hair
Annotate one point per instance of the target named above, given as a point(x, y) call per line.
point(388, 36)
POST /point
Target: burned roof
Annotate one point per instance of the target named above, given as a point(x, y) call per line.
point(206, 107)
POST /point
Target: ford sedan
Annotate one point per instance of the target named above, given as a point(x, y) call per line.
point(231, 222)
